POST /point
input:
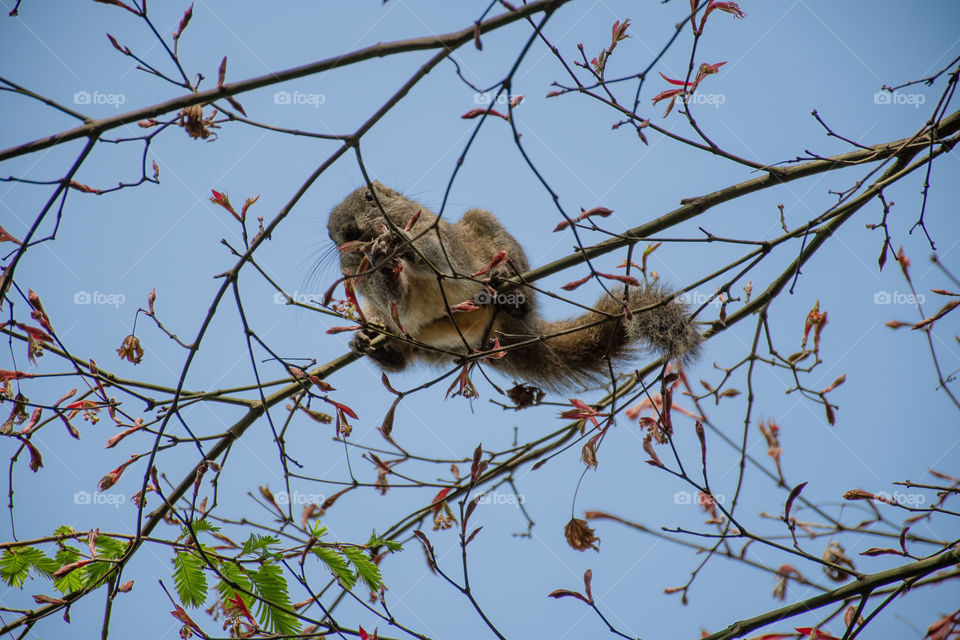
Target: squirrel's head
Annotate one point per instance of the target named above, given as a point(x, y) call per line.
point(359, 218)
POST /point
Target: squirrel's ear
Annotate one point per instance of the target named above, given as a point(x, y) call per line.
point(384, 189)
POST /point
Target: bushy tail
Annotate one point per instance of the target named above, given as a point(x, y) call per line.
point(577, 350)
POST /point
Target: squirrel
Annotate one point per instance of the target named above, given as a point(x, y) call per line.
point(411, 268)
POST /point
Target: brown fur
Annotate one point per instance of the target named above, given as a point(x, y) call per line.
point(427, 268)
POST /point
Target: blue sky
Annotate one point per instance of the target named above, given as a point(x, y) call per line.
point(783, 60)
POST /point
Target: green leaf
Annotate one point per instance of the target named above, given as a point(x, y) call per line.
point(42, 563)
point(271, 586)
point(108, 547)
point(238, 576)
point(366, 570)
point(258, 543)
point(189, 579)
point(95, 572)
point(337, 565)
point(198, 526)
point(14, 566)
point(73, 580)
point(376, 541)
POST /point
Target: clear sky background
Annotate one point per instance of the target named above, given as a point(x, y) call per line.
point(784, 60)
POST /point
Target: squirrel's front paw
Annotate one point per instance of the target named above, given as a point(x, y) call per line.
point(385, 245)
point(360, 342)
point(389, 355)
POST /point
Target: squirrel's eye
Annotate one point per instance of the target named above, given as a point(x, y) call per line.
point(368, 196)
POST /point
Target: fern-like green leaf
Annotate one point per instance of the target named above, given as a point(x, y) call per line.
point(42, 563)
point(377, 541)
point(94, 572)
point(258, 543)
point(238, 576)
point(271, 586)
point(107, 547)
point(189, 579)
point(337, 565)
point(366, 570)
point(198, 526)
point(75, 579)
point(14, 566)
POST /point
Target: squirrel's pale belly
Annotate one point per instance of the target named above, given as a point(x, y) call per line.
point(422, 310)
point(474, 327)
